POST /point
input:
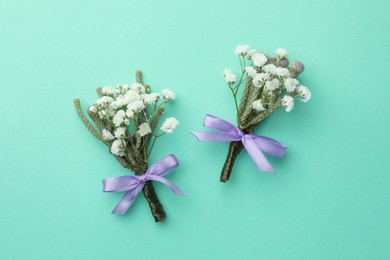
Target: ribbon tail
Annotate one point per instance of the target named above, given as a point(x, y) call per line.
point(270, 146)
point(256, 154)
point(172, 186)
point(126, 201)
point(215, 136)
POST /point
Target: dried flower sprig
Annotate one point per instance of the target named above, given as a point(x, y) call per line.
point(126, 120)
point(270, 83)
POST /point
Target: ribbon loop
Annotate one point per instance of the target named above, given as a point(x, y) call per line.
point(215, 137)
point(255, 145)
point(163, 166)
point(119, 184)
point(134, 184)
point(217, 123)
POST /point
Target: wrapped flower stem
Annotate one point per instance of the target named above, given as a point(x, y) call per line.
point(126, 120)
point(235, 149)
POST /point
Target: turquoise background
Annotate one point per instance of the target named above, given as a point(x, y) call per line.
point(329, 198)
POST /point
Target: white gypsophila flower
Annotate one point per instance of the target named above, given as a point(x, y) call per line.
point(118, 147)
point(290, 84)
point(229, 76)
point(119, 117)
point(168, 94)
point(269, 68)
point(130, 113)
point(259, 59)
point(102, 113)
point(113, 105)
point(249, 54)
point(169, 125)
point(118, 90)
point(282, 53)
point(144, 129)
point(146, 98)
point(257, 105)
point(251, 71)
point(104, 100)
point(241, 49)
point(272, 84)
point(139, 88)
point(288, 103)
point(154, 97)
point(304, 93)
point(107, 90)
point(259, 79)
point(282, 72)
point(120, 101)
point(150, 98)
point(137, 105)
point(92, 109)
point(131, 96)
point(125, 88)
point(107, 135)
point(112, 108)
point(120, 132)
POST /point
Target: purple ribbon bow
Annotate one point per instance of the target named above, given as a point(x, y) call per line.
point(134, 184)
point(255, 145)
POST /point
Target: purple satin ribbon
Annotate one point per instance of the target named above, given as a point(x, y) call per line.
point(134, 184)
point(255, 145)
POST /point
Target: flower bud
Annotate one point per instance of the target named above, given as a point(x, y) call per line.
point(296, 68)
point(272, 60)
point(282, 63)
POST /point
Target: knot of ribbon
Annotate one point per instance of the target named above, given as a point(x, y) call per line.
point(133, 185)
point(255, 145)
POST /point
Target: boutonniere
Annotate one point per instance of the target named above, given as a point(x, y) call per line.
point(127, 120)
point(270, 83)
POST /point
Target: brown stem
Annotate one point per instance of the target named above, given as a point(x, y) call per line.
point(151, 196)
point(154, 204)
point(234, 149)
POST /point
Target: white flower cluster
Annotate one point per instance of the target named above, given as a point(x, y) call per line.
point(169, 125)
point(125, 104)
point(272, 74)
point(257, 105)
point(229, 76)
